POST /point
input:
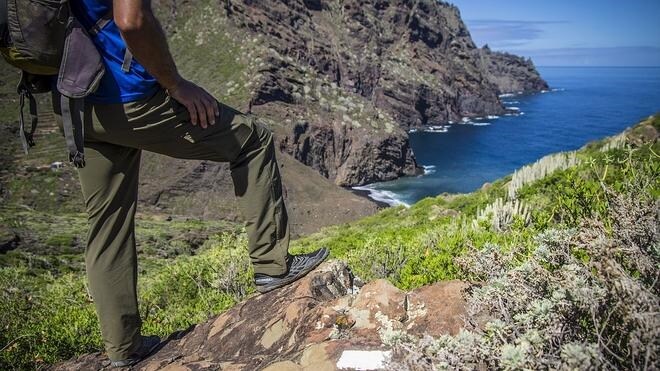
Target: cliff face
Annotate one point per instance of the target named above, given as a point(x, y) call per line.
point(414, 59)
point(342, 153)
point(510, 73)
point(342, 80)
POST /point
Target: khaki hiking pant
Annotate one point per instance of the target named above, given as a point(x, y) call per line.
point(114, 139)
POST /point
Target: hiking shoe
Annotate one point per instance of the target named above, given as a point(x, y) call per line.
point(297, 267)
point(149, 344)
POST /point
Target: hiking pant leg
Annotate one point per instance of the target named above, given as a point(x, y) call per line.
point(159, 124)
point(109, 185)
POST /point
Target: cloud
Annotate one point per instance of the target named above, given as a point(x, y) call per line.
point(500, 33)
point(596, 56)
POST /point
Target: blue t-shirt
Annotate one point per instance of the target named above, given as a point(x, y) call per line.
point(116, 86)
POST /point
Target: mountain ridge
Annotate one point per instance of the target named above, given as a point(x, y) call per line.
point(342, 81)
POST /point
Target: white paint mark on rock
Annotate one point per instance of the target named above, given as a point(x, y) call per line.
point(364, 359)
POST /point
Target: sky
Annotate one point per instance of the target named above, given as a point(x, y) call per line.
point(568, 33)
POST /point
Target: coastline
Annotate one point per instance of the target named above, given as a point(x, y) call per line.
point(366, 194)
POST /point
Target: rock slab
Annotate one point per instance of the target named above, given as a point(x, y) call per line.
point(307, 325)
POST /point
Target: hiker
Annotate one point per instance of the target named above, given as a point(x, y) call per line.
point(142, 103)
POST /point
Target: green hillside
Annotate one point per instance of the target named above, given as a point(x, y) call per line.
point(48, 316)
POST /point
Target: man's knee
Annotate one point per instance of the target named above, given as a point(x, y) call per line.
point(263, 132)
point(261, 137)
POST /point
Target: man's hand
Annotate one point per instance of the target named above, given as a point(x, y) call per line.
point(203, 108)
point(146, 40)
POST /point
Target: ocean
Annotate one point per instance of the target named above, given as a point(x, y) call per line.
point(583, 104)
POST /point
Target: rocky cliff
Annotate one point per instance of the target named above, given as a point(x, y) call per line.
point(510, 73)
point(328, 320)
point(342, 80)
point(339, 82)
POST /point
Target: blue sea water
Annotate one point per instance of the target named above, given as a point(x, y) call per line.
point(584, 104)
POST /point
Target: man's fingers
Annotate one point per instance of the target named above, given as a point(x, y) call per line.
point(192, 110)
point(210, 111)
point(214, 106)
point(201, 113)
point(202, 107)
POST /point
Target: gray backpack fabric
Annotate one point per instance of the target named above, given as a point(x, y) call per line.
point(44, 40)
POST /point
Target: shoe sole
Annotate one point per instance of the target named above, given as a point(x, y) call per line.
point(120, 364)
point(303, 273)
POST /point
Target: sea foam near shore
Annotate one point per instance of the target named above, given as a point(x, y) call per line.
point(387, 197)
point(428, 169)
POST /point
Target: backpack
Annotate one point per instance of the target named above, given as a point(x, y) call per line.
point(44, 40)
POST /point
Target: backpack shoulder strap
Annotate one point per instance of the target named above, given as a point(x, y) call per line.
point(98, 26)
point(128, 58)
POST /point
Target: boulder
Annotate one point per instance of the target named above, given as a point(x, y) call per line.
point(321, 321)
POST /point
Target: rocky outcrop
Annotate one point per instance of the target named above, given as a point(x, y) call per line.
point(322, 322)
point(376, 66)
point(511, 73)
point(402, 56)
point(351, 159)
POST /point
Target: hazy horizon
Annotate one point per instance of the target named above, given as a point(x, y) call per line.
point(607, 33)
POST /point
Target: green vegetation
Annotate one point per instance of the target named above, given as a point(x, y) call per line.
point(224, 61)
point(49, 318)
point(48, 315)
point(586, 295)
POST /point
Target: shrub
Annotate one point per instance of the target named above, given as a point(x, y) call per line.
point(585, 299)
point(502, 214)
point(46, 319)
point(539, 170)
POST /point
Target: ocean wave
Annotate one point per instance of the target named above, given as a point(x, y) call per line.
point(511, 102)
point(428, 169)
point(437, 129)
point(480, 124)
point(387, 197)
point(513, 108)
point(492, 117)
point(557, 89)
point(507, 95)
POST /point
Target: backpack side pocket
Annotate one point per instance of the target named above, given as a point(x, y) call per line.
point(82, 67)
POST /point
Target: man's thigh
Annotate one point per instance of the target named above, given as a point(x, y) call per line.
point(162, 125)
